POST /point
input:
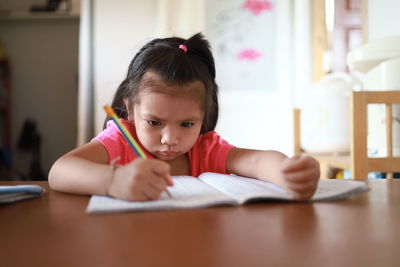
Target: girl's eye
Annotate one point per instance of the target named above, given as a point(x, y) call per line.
point(187, 124)
point(153, 123)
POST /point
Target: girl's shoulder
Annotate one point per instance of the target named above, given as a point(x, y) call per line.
point(115, 143)
point(112, 131)
point(211, 137)
point(210, 141)
point(209, 154)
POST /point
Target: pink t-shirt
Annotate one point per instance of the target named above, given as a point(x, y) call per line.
point(208, 154)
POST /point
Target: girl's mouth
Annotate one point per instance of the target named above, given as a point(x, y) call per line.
point(168, 153)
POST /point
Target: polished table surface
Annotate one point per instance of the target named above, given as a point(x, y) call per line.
point(54, 230)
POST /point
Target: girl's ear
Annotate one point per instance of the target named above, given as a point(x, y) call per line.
point(129, 109)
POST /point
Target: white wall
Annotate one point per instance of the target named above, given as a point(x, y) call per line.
point(382, 18)
point(120, 30)
point(180, 17)
point(259, 114)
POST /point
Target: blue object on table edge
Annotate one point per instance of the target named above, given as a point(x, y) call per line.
point(13, 193)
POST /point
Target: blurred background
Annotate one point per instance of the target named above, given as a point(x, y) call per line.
point(61, 61)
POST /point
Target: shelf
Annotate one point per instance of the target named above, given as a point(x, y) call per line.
point(38, 16)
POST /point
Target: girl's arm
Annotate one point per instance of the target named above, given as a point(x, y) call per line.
point(85, 170)
point(298, 175)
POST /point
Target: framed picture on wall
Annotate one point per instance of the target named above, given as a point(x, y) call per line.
point(242, 37)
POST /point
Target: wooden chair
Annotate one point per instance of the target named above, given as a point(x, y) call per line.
point(357, 161)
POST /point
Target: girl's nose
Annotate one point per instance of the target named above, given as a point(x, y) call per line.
point(169, 137)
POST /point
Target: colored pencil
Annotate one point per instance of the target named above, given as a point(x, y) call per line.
point(132, 142)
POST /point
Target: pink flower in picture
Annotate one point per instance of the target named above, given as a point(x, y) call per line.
point(257, 6)
point(249, 54)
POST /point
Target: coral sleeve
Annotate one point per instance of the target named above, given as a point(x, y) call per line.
point(209, 154)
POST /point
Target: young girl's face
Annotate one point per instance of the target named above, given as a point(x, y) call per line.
point(168, 124)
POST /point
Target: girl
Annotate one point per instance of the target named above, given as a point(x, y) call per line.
point(169, 103)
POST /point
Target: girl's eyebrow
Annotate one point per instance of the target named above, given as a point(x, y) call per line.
point(153, 117)
point(192, 119)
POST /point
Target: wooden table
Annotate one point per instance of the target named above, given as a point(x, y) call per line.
point(54, 230)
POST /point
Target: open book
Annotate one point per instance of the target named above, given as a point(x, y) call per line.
point(211, 189)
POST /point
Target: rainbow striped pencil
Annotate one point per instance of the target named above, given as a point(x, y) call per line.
point(132, 142)
point(135, 146)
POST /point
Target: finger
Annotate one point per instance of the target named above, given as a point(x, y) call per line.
point(302, 187)
point(163, 169)
point(298, 163)
point(162, 188)
point(136, 193)
point(151, 193)
point(168, 180)
point(296, 157)
point(160, 168)
point(164, 177)
point(159, 184)
point(302, 191)
point(302, 176)
point(290, 164)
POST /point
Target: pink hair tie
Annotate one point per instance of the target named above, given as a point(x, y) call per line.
point(183, 47)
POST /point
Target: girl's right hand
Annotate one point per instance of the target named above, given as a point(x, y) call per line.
point(140, 180)
point(301, 174)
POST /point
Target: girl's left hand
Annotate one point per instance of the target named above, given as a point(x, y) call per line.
point(300, 176)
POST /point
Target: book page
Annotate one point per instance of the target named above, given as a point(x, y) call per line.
point(335, 189)
point(243, 188)
point(187, 192)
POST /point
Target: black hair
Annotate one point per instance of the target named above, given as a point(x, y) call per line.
point(175, 67)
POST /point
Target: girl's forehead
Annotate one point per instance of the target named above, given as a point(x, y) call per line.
point(163, 106)
point(154, 83)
